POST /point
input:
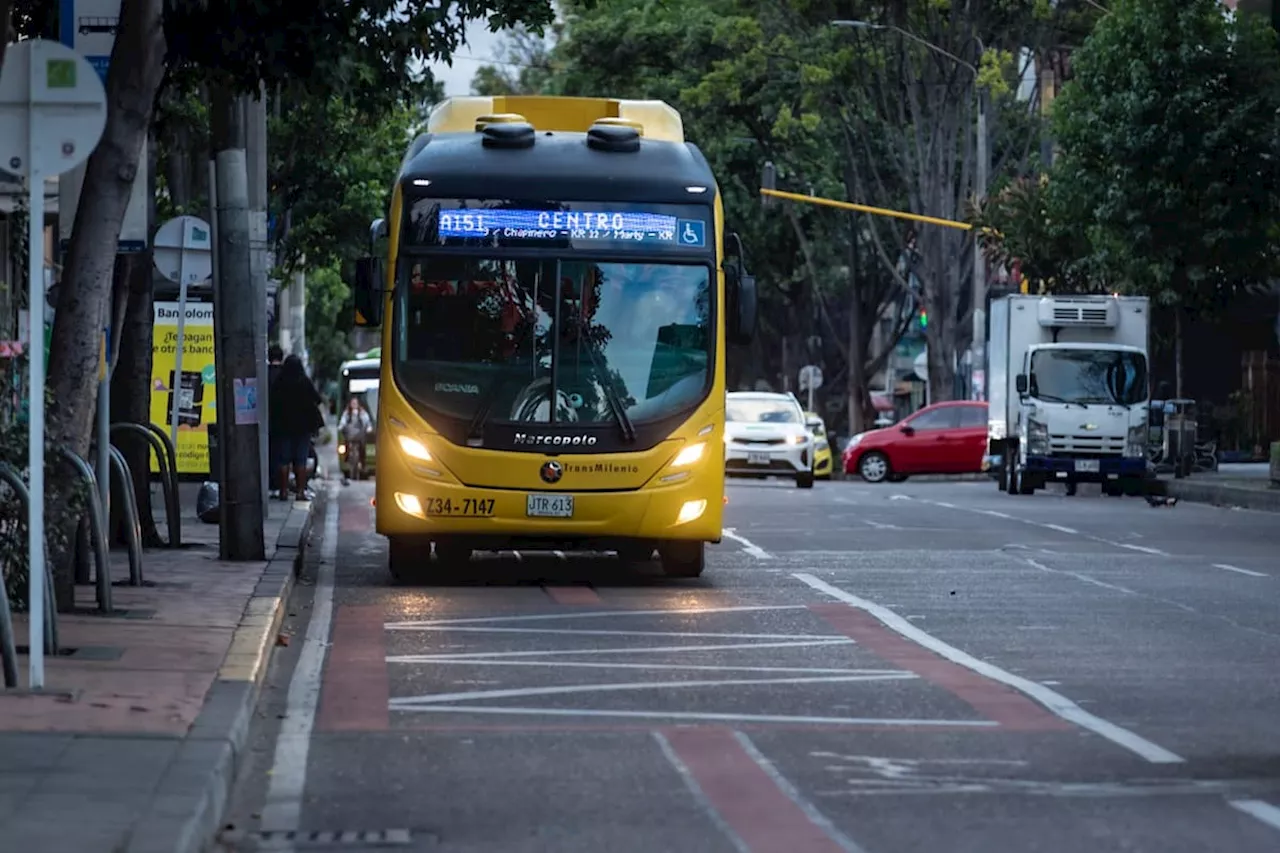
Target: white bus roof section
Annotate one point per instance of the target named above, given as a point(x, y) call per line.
point(458, 115)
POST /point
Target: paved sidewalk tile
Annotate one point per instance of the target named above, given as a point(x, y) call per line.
point(144, 710)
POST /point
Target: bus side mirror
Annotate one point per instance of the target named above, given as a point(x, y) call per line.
point(1020, 383)
point(367, 292)
point(741, 307)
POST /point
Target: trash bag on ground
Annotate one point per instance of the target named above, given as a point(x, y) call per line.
point(208, 502)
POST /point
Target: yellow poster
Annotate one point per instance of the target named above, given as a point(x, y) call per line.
point(197, 397)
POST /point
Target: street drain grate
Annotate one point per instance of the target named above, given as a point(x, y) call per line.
point(328, 840)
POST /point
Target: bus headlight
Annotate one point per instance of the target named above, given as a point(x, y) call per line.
point(414, 449)
point(689, 455)
point(691, 511)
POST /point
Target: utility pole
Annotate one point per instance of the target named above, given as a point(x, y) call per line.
point(241, 491)
point(256, 155)
point(978, 349)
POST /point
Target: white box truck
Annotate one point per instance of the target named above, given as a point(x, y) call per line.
point(1068, 391)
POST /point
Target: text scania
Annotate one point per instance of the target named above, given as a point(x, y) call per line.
point(528, 439)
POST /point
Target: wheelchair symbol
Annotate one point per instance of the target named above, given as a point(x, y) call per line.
point(692, 232)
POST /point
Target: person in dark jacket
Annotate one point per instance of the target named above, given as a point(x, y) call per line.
point(293, 418)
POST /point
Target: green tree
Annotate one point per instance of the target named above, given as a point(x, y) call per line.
point(1169, 136)
point(329, 320)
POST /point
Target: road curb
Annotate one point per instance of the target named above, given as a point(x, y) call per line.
point(922, 478)
point(1265, 500)
point(193, 794)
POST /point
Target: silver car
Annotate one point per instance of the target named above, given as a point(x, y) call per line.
point(765, 436)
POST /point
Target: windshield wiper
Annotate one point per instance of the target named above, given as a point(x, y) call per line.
point(611, 394)
point(1051, 398)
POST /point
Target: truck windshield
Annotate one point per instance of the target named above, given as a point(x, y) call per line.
point(1089, 376)
point(480, 338)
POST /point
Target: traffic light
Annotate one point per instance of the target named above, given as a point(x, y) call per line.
point(923, 319)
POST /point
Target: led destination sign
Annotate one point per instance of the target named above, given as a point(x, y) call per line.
point(576, 225)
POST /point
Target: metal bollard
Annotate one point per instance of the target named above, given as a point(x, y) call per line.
point(97, 529)
point(15, 482)
point(121, 467)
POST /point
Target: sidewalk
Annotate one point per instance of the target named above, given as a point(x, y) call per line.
point(133, 744)
point(1247, 486)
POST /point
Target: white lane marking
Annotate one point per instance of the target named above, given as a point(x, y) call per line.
point(1055, 702)
point(816, 817)
point(945, 505)
point(1143, 548)
point(1080, 577)
point(698, 716)
point(880, 525)
point(747, 545)
point(288, 777)
point(560, 554)
point(698, 795)
point(431, 658)
point(574, 632)
point(538, 617)
point(689, 667)
point(1263, 811)
point(1061, 529)
point(1229, 568)
point(901, 498)
point(569, 689)
point(994, 514)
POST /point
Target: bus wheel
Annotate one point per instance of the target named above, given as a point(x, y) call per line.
point(635, 552)
point(682, 559)
point(409, 559)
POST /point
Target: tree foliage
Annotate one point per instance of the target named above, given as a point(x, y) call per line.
point(1169, 136)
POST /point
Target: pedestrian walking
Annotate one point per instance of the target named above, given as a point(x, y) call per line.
point(293, 418)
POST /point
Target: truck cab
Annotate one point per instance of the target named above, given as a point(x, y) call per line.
point(1069, 391)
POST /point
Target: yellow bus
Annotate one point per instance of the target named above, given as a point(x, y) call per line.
point(558, 298)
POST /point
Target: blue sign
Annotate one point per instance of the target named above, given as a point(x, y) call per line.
point(584, 225)
point(692, 233)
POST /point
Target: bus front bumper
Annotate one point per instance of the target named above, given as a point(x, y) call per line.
point(498, 518)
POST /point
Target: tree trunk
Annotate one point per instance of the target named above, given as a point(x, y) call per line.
point(131, 389)
point(6, 28)
point(137, 67)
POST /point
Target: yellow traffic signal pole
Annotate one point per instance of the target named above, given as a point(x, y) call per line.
point(866, 208)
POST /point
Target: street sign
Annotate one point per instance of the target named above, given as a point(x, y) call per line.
point(184, 250)
point(52, 113)
point(89, 28)
point(810, 377)
point(810, 380)
point(921, 365)
point(183, 254)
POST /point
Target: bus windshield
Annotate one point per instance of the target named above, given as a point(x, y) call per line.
point(361, 382)
point(504, 338)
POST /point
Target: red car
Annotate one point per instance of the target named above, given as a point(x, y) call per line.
point(945, 438)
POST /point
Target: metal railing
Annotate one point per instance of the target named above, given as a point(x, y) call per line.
point(167, 458)
point(97, 528)
point(8, 641)
point(121, 466)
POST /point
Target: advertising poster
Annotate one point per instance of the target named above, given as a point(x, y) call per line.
point(197, 397)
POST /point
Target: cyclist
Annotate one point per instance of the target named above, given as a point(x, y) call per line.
point(354, 427)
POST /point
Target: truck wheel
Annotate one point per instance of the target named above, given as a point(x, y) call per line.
point(874, 467)
point(1002, 477)
point(1011, 481)
point(682, 559)
point(1071, 489)
point(1027, 485)
point(804, 480)
point(408, 559)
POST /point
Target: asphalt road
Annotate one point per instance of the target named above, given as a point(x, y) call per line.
point(914, 667)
